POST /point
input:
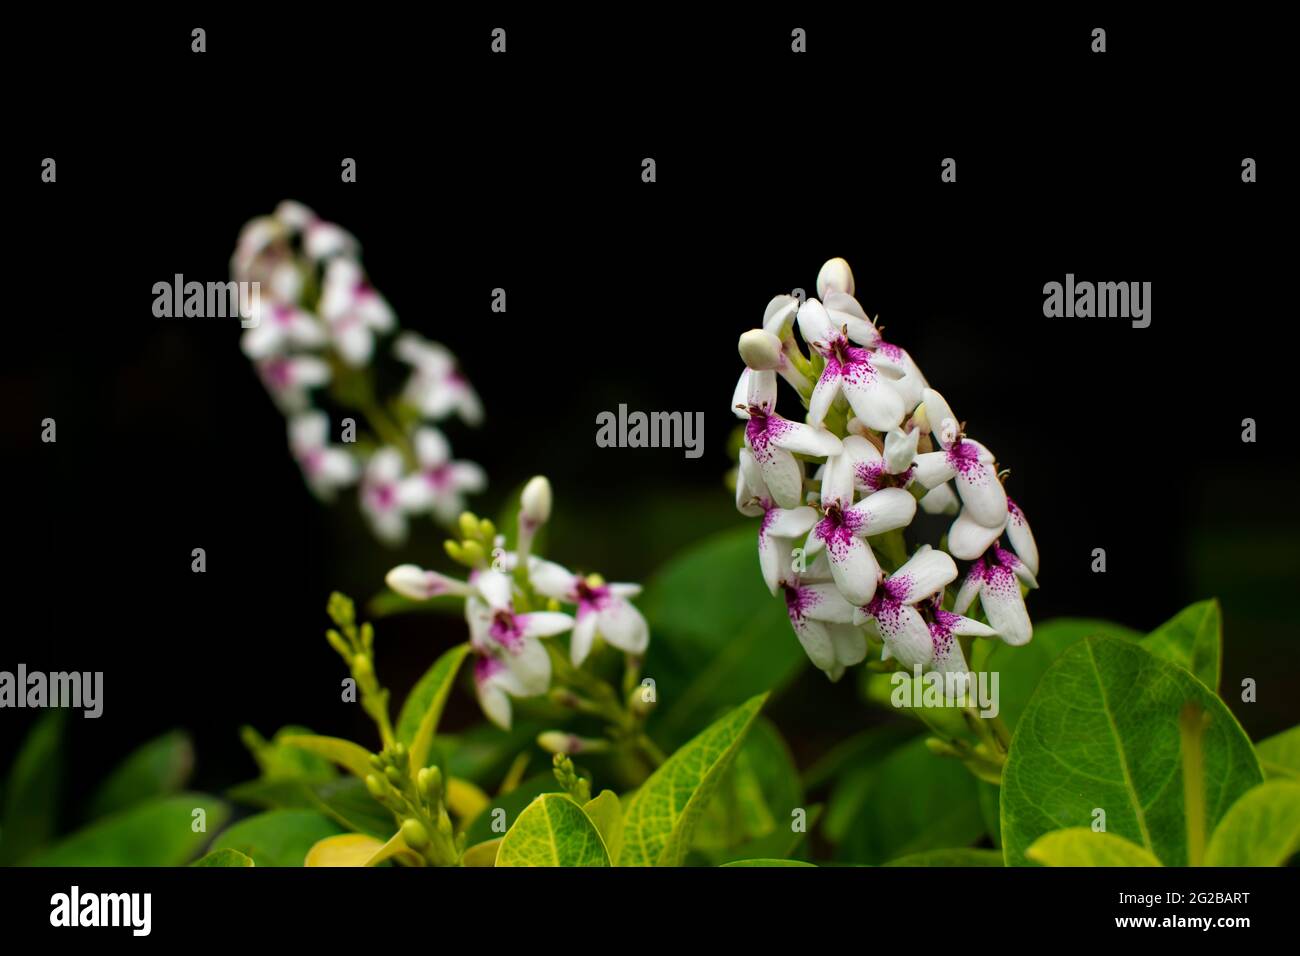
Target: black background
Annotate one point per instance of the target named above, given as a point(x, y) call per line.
point(477, 171)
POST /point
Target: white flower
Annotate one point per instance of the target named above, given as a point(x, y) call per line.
point(289, 378)
point(439, 484)
point(779, 526)
point(602, 609)
point(436, 387)
point(995, 579)
point(845, 526)
point(414, 582)
point(772, 440)
point(967, 461)
point(823, 620)
point(326, 467)
point(908, 638)
point(381, 495)
point(865, 378)
point(511, 661)
point(352, 310)
point(280, 327)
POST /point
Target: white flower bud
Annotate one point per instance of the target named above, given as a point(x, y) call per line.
point(535, 502)
point(408, 580)
point(835, 276)
point(760, 350)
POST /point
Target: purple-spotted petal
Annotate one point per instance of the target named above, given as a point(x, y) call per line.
point(873, 399)
point(1021, 538)
point(968, 539)
point(1004, 606)
point(824, 602)
point(782, 474)
point(924, 573)
point(853, 566)
point(977, 483)
point(970, 587)
point(904, 632)
point(825, 391)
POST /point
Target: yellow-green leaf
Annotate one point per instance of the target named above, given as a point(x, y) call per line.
point(1279, 755)
point(1192, 639)
point(352, 757)
point(660, 817)
point(418, 721)
point(465, 800)
point(346, 849)
point(224, 858)
point(606, 813)
point(1261, 829)
point(482, 854)
point(1081, 846)
point(552, 831)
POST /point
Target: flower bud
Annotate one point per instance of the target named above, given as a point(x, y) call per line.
point(394, 776)
point(340, 645)
point(535, 502)
point(362, 670)
point(760, 350)
point(414, 834)
point(375, 786)
point(429, 780)
point(472, 554)
point(558, 742)
point(408, 580)
point(835, 276)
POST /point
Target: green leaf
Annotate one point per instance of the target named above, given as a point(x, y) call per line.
point(1279, 755)
point(512, 804)
point(32, 795)
point(1082, 846)
point(482, 854)
point(1019, 669)
point(280, 762)
point(860, 750)
point(606, 812)
point(482, 753)
point(990, 797)
point(158, 768)
point(710, 654)
point(351, 757)
point(1260, 829)
point(950, 857)
point(156, 833)
point(223, 858)
point(768, 863)
point(552, 831)
point(348, 803)
point(418, 721)
point(909, 802)
point(1192, 639)
point(277, 837)
point(1103, 732)
point(660, 818)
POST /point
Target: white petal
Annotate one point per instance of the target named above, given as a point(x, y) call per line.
point(905, 633)
point(802, 439)
point(1004, 606)
point(970, 588)
point(431, 447)
point(837, 481)
point(544, 623)
point(624, 627)
point(933, 469)
point(824, 602)
point(762, 389)
point(412, 581)
point(308, 431)
point(494, 587)
point(924, 573)
point(845, 312)
point(779, 315)
point(790, 522)
point(873, 399)
point(900, 449)
point(495, 703)
point(751, 491)
point(1021, 538)
point(824, 393)
point(584, 634)
point(782, 474)
point(940, 499)
point(740, 397)
point(850, 644)
point(835, 276)
point(528, 670)
point(968, 539)
point(982, 494)
point(816, 641)
point(853, 568)
point(966, 627)
point(551, 579)
point(814, 324)
point(885, 510)
point(936, 410)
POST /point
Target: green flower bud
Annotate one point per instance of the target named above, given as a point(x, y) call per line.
point(362, 670)
point(377, 762)
point(473, 553)
point(486, 530)
point(375, 786)
point(414, 834)
point(429, 780)
point(454, 551)
point(469, 526)
point(340, 645)
point(394, 776)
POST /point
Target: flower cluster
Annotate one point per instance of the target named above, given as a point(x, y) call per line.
point(514, 599)
point(880, 442)
point(315, 325)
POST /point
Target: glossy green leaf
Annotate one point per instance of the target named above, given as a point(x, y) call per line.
point(1279, 755)
point(280, 762)
point(503, 810)
point(482, 753)
point(1192, 639)
point(1019, 669)
point(1102, 732)
point(32, 791)
point(158, 768)
point(950, 857)
point(482, 854)
point(1082, 846)
point(277, 837)
point(606, 812)
point(1260, 829)
point(351, 757)
point(660, 818)
point(224, 858)
point(552, 831)
point(155, 833)
point(771, 862)
point(709, 654)
point(418, 721)
point(909, 802)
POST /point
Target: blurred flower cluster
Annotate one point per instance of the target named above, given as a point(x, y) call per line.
point(514, 599)
point(317, 328)
point(879, 442)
